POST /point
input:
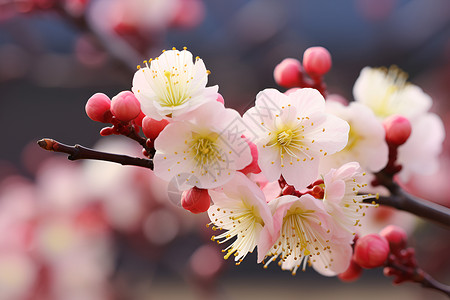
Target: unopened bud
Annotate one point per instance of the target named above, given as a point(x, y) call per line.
point(398, 129)
point(396, 237)
point(98, 108)
point(106, 131)
point(316, 61)
point(288, 73)
point(371, 251)
point(125, 106)
point(138, 119)
point(353, 272)
point(196, 200)
point(152, 127)
point(220, 98)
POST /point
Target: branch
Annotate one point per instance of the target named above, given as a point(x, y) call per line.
point(402, 200)
point(420, 207)
point(416, 275)
point(79, 152)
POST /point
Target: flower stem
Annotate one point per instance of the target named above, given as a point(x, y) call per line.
point(79, 152)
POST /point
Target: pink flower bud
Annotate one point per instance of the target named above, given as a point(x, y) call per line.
point(125, 106)
point(398, 129)
point(396, 237)
point(371, 251)
point(152, 128)
point(138, 119)
point(253, 166)
point(106, 131)
point(98, 108)
point(288, 73)
point(316, 61)
point(353, 272)
point(220, 98)
point(195, 200)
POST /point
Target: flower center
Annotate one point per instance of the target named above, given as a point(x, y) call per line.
point(284, 137)
point(174, 94)
point(353, 139)
point(396, 80)
point(205, 151)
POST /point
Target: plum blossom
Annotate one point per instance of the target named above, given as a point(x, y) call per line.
point(203, 146)
point(420, 153)
point(172, 84)
point(292, 133)
point(240, 208)
point(341, 199)
point(305, 233)
point(387, 92)
point(366, 139)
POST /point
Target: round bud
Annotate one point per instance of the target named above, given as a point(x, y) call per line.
point(288, 73)
point(398, 129)
point(138, 119)
point(353, 272)
point(152, 128)
point(196, 200)
point(125, 106)
point(396, 237)
point(371, 251)
point(316, 61)
point(98, 108)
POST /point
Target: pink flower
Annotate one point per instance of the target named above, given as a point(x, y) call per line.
point(341, 199)
point(304, 233)
point(366, 142)
point(202, 147)
point(172, 85)
point(240, 208)
point(420, 153)
point(292, 133)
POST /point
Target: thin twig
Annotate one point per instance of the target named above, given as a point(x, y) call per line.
point(79, 152)
point(420, 276)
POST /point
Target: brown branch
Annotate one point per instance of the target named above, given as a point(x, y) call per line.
point(420, 207)
point(419, 276)
point(79, 152)
point(400, 199)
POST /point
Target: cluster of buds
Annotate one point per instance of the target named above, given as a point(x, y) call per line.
point(316, 63)
point(387, 249)
point(123, 111)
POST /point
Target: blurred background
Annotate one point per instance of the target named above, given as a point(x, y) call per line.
point(90, 230)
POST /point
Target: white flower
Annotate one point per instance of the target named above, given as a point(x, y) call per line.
point(420, 153)
point(172, 84)
point(366, 139)
point(292, 133)
point(240, 208)
point(386, 92)
point(305, 233)
point(204, 150)
point(342, 201)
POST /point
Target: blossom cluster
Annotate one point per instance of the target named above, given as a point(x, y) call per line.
point(286, 177)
